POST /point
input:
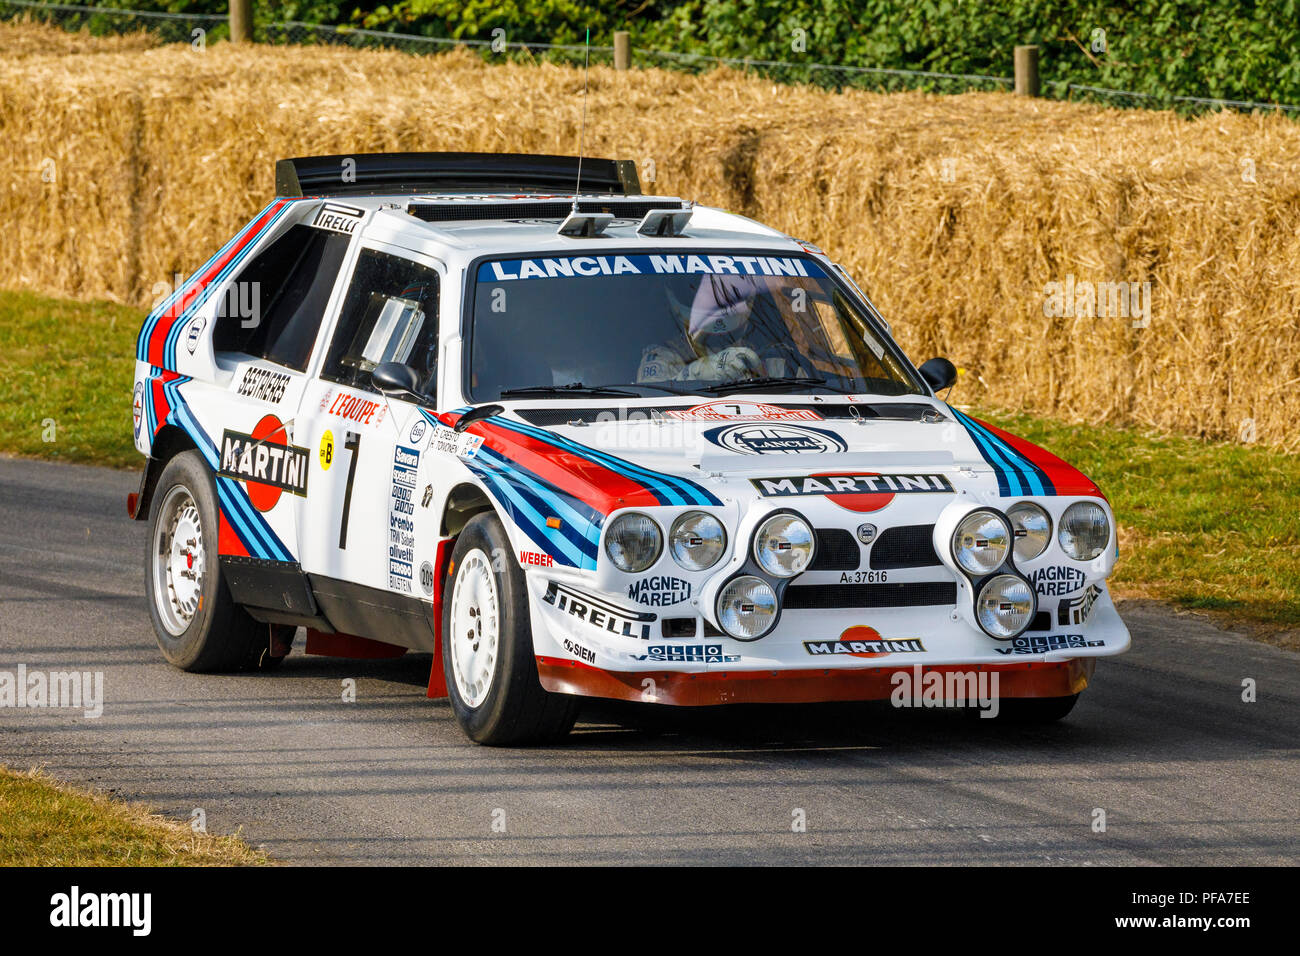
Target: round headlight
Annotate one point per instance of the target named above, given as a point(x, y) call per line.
point(633, 541)
point(1005, 606)
point(697, 540)
point(1032, 529)
point(1085, 529)
point(747, 608)
point(783, 546)
point(980, 542)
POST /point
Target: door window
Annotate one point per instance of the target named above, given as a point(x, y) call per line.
point(390, 315)
point(273, 309)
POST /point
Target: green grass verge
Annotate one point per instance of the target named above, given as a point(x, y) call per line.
point(1211, 527)
point(46, 823)
point(1206, 526)
point(67, 368)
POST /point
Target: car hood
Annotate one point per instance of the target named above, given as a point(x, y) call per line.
point(645, 455)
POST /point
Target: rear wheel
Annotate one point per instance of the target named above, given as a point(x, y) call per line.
point(487, 646)
point(198, 626)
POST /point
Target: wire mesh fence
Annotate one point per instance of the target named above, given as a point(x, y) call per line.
point(187, 28)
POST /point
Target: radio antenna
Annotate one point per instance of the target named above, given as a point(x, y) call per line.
point(582, 130)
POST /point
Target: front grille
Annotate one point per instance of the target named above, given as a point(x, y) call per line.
point(803, 597)
point(837, 550)
point(906, 546)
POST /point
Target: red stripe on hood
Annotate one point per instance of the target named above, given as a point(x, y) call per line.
point(590, 482)
point(1067, 479)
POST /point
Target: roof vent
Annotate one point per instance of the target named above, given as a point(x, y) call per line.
point(664, 222)
point(585, 225)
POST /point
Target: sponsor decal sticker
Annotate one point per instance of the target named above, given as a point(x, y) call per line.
point(401, 518)
point(192, 337)
point(263, 384)
point(741, 411)
point(1041, 644)
point(763, 439)
point(580, 652)
point(536, 559)
point(451, 442)
point(418, 430)
point(428, 496)
point(859, 493)
point(266, 462)
point(1074, 612)
point(1056, 580)
point(326, 450)
point(686, 654)
point(508, 270)
point(659, 591)
point(598, 613)
point(355, 408)
point(137, 407)
point(338, 218)
point(426, 577)
point(863, 641)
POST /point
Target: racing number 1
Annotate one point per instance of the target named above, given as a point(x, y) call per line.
point(353, 444)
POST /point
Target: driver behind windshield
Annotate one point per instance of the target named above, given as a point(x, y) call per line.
point(724, 334)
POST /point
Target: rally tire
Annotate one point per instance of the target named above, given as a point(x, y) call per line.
point(487, 645)
point(197, 623)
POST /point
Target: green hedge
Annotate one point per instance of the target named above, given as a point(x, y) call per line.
point(1232, 49)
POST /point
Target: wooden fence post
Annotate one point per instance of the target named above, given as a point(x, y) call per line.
point(1026, 71)
point(622, 50)
point(241, 21)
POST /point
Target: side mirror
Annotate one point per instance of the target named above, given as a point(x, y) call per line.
point(394, 378)
point(938, 373)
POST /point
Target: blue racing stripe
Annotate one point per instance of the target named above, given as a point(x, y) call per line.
point(680, 491)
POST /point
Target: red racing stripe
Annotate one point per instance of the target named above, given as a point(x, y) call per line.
point(1067, 479)
point(588, 481)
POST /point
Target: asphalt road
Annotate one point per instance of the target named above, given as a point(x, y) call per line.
point(1185, 771)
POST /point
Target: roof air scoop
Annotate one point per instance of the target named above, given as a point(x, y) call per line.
point(663, 223)
point(585, 225)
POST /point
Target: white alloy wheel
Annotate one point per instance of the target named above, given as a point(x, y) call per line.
point(178, 561)
point(475, 627)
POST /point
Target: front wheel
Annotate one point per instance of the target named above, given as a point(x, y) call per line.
point(487, 645)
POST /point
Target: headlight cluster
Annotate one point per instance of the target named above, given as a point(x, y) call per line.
point(1005, 603)
point(1084, 531)
point(634, 542)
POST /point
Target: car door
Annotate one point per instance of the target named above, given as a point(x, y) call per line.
point(364, 527)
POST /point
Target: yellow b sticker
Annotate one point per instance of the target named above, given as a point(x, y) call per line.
point(326, 450)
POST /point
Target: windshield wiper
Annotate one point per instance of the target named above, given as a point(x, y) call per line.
point(573, 388)
point(767, 381)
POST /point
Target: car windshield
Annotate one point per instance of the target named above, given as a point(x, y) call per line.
point(690, 323)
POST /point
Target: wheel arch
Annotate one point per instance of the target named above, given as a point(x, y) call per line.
point(464, 501)
point(170, 441)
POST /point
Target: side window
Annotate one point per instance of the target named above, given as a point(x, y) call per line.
point(390, 315)
point(273, 309)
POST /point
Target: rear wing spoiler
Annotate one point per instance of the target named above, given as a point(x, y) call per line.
point(377, 174)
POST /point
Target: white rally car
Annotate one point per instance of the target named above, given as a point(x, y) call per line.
point(578, 441)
